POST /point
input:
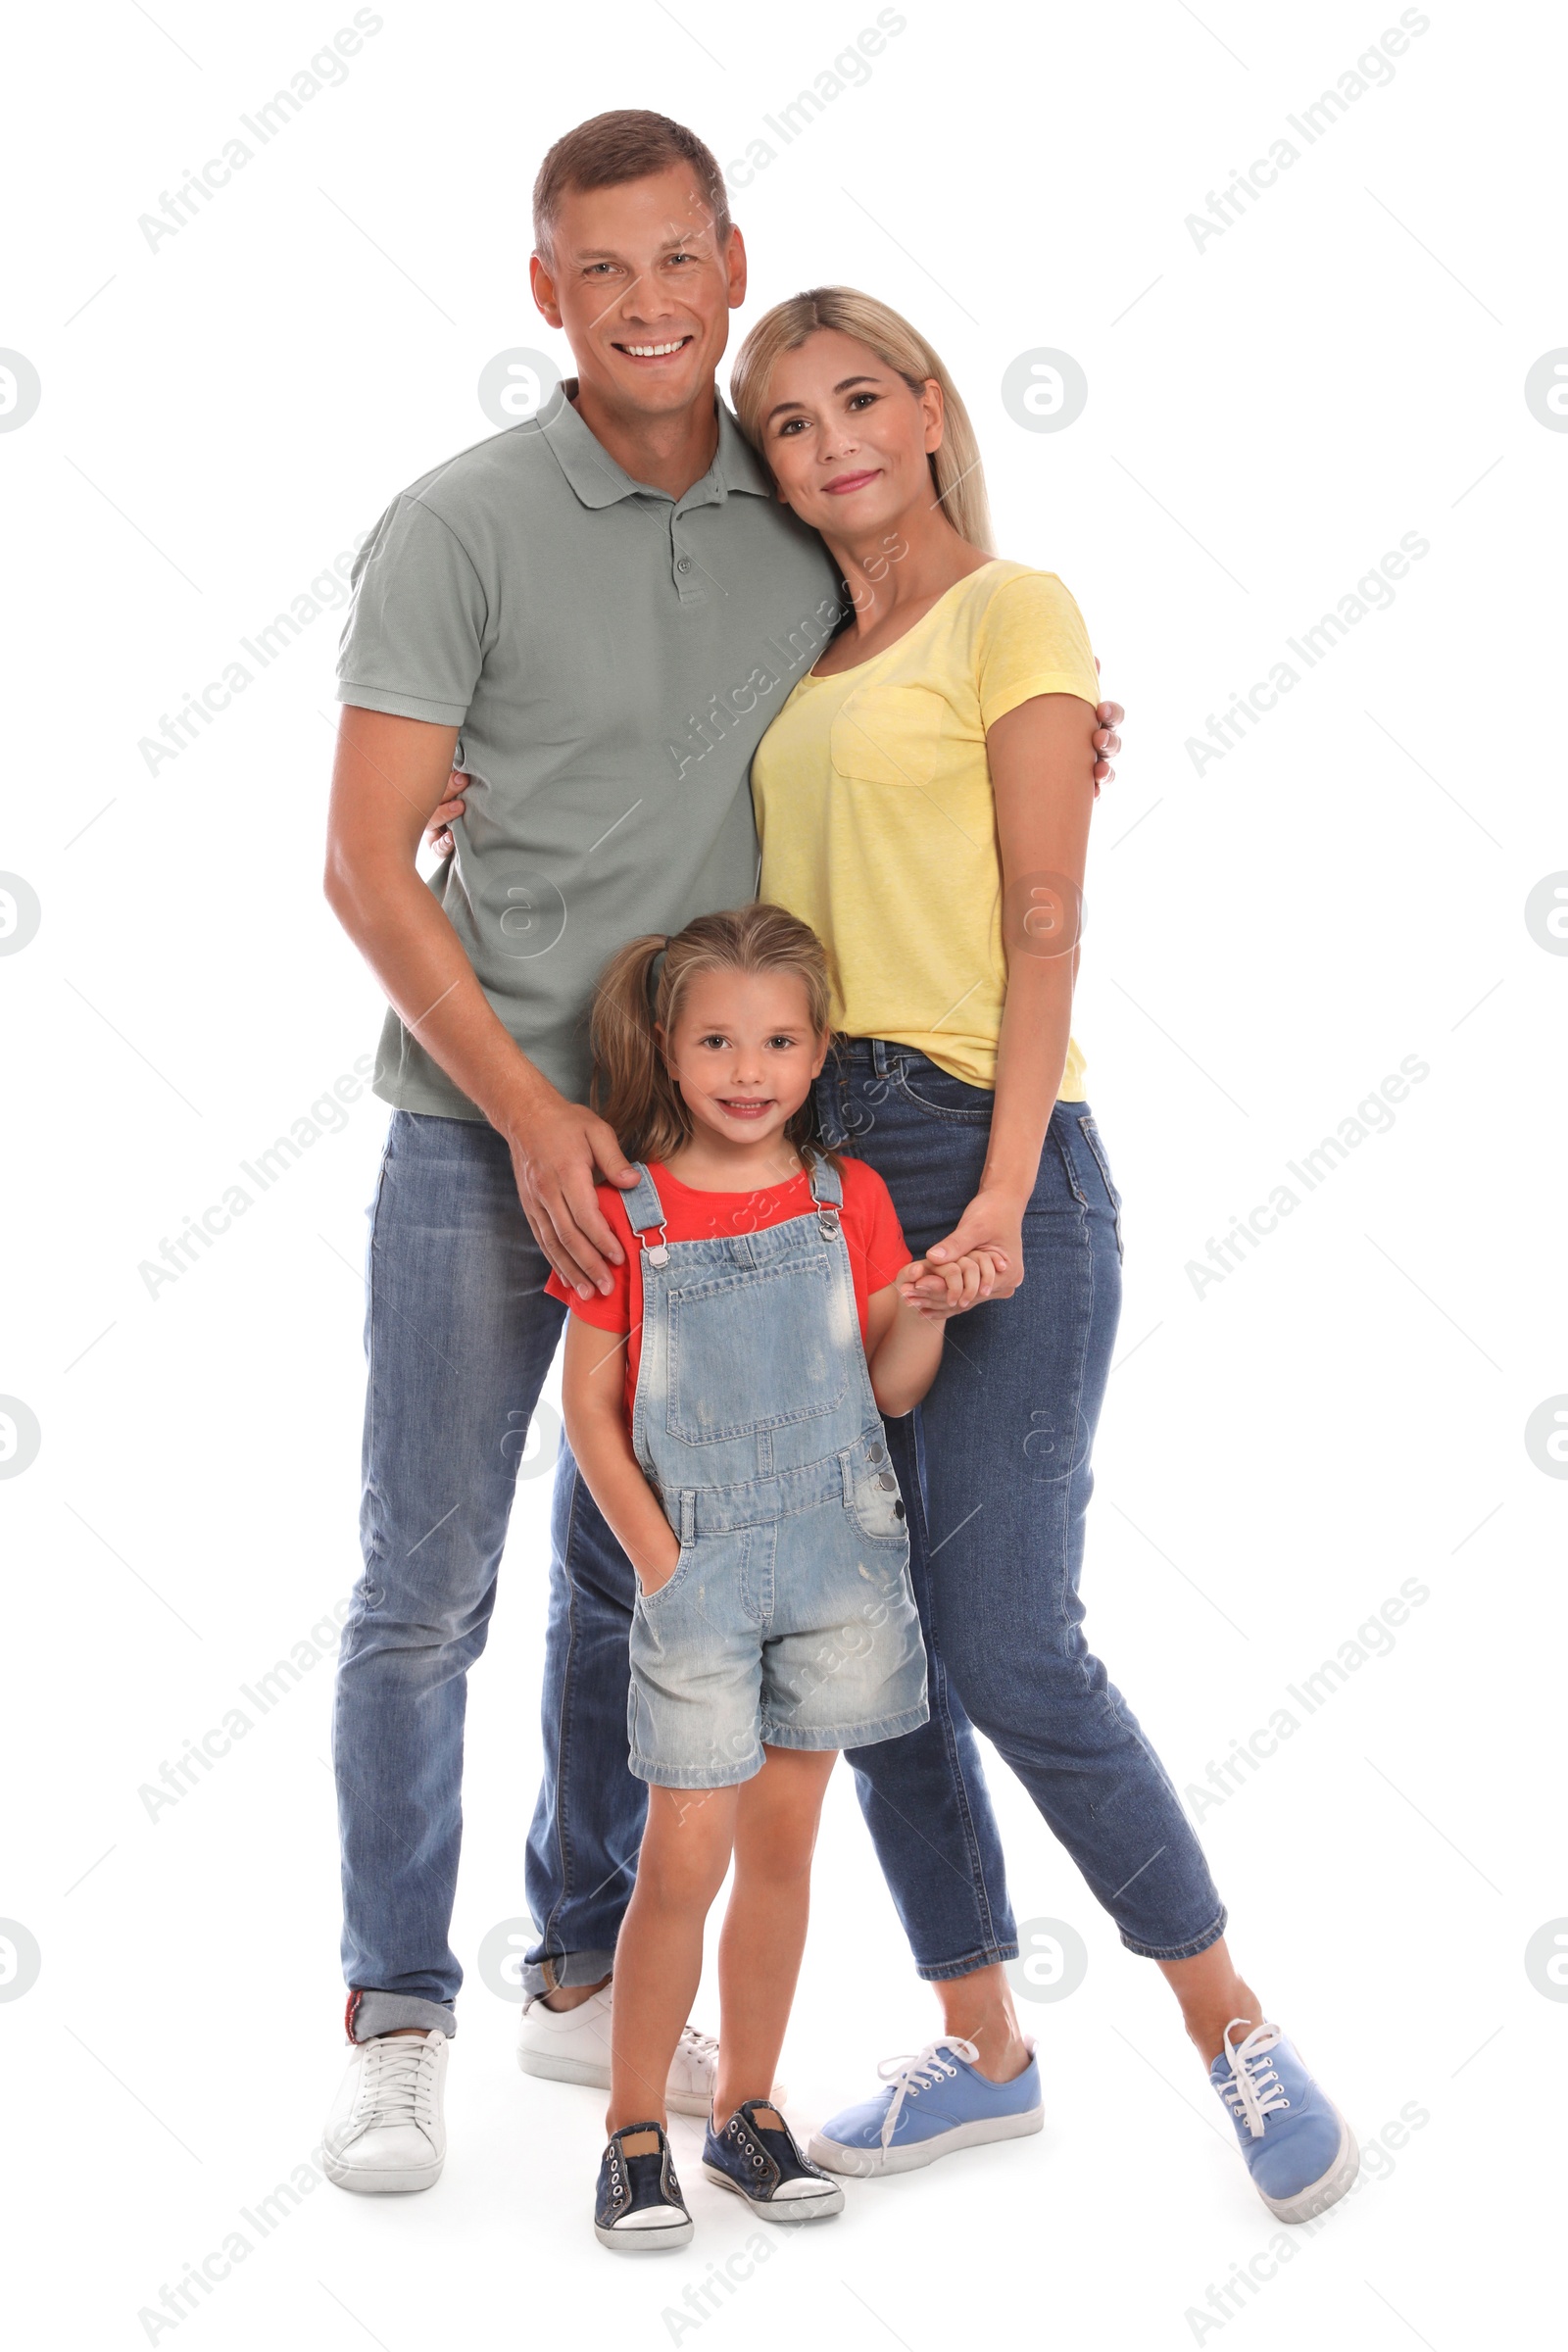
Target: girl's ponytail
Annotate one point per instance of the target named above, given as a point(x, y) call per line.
point(632, 1091)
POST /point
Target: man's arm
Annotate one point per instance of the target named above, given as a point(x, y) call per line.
point(389, 776)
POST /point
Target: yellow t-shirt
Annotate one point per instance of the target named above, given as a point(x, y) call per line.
point(877, 821)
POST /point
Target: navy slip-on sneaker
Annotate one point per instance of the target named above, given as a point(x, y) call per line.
point(761, 2163)
point(933, 2104)
point(1298, 2148)
point(638, 2209)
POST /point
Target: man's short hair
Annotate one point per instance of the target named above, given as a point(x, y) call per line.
point(610, 149)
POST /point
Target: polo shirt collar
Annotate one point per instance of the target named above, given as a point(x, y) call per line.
point(599, 481)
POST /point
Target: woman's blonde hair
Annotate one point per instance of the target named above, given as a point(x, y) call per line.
point(632, 1089)
point(955, 473)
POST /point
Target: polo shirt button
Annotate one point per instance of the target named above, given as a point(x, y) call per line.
point(683, 564)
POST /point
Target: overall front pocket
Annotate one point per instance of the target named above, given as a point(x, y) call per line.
point(683, 1561)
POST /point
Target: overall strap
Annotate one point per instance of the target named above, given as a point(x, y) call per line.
point(643, 1207)
point(827, 1186)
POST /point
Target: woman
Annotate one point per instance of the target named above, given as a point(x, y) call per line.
point(923, 801)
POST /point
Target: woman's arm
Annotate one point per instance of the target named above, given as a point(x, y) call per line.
point(903, 1328)
point(593, 1388)
point(1041, 758)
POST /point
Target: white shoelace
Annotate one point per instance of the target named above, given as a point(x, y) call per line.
point(1253, 2091)
point(701, 2048)
point(399, 2083)
point(911, 2075)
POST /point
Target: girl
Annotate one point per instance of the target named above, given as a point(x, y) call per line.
point(724, 1404)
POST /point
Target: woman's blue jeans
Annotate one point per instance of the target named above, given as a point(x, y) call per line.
point(1004, 1439)
point(460, 1336)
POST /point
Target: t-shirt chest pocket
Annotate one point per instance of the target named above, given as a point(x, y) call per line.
point(889, 735)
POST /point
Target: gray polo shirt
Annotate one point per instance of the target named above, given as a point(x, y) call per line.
point(612, 657)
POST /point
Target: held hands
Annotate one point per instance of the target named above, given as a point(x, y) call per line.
point(936, 1291)
point(991, 1228)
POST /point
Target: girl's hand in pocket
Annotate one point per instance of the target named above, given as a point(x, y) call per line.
point(653, 1575)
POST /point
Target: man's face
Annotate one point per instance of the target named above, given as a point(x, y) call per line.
point(643, 291)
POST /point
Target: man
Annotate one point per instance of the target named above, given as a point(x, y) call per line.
point(598, 612)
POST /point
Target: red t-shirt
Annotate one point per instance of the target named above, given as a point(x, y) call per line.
point(871, 1225)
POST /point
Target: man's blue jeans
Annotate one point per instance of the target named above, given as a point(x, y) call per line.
point(459, 1338)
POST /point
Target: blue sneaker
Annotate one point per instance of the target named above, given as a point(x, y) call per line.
point(638, 2209)
point(1298, 2148)
point(761, 2163)
point(932, 2105)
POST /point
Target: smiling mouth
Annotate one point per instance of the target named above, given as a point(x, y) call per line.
point(743, 1108)
point(654, 353)
point(846, 482)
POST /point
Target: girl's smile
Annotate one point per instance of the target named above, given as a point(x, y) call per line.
point(743, 1052)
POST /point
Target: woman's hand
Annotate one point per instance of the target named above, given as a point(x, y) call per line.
point(992, 1226)
point(957, 1284)
point(438, 832)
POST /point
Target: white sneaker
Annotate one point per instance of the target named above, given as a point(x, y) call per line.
point(572, 2046)
point(386, 2131)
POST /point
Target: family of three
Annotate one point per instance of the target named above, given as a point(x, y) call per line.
point(798, 1152)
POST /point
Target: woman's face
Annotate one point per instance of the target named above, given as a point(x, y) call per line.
point(847, 439)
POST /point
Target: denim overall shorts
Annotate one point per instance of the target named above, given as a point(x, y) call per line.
point(789, 1619)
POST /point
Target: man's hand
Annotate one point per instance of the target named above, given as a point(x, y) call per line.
point(555, 1147)
point(1107, 742)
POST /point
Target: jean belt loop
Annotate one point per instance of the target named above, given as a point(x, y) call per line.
point(879, 1056)
point(687, 1515)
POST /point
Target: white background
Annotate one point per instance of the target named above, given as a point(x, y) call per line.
point(219, 416)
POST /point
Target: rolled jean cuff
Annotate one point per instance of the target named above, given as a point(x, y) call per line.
point(372, 2012)
point(557, 1970)
point(937, 1971)
point(1178, 1951)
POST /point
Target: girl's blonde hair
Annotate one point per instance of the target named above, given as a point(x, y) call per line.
point(632, 1089)
point(956, 471)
